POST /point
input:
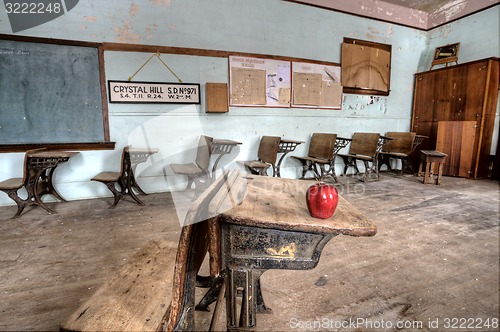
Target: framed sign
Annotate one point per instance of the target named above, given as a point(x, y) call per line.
point(153, 93)
point(445, 54)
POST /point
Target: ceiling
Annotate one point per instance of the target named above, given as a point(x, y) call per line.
point(420, 14)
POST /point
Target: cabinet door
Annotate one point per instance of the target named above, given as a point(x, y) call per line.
point(456, 139)
point(442, 95)
point(457, 80)
point(476, 88)
point(423, 99)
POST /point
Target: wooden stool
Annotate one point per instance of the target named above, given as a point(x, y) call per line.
point(430, 157)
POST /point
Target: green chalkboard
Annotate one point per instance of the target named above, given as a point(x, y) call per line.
point(49, 93)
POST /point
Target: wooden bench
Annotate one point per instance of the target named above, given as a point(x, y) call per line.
point(266, 156)
point(363, 147)
point(155, 290)
point(321, 154)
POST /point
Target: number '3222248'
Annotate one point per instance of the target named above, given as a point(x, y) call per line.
point(33, 7)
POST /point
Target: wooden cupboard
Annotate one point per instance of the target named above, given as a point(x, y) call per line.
point(464, 92)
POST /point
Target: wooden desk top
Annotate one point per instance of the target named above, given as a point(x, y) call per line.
point(54, 154)
point(225, 141)
point(433, 153)
point(286, 140)
point(143, 150)
point(281, 204)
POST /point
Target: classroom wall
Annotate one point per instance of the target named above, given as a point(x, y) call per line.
point(269, 27)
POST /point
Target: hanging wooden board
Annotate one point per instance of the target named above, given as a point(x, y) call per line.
point(216, 98)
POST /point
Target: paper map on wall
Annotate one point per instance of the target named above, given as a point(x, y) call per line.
point(259, 82)
point(316, 85)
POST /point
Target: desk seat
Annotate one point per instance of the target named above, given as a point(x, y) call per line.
point(13, 183)
point(320, 157)
point(125, 178)
point(400, 146)
point(155, 289)
point(266, 156)
point(364, 147)
point(197, 172)
point(38, 170)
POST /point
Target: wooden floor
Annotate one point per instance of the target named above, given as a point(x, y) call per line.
point(434, 261)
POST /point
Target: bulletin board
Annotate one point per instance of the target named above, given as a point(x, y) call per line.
point(259, 82)
point(316, 85)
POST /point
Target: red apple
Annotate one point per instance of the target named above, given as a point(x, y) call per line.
point(322, 200)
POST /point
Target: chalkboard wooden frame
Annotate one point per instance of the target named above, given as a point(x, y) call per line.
point(104, 141)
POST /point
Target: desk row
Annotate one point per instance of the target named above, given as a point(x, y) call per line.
point(372, 149)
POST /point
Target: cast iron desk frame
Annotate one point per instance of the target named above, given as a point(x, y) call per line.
point(221, 147)
point(340, 143)
point(41, 168)
point(132, 158)
point(285, 147)
point(272, 229)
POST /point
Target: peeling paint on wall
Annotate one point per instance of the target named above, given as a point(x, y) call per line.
point(125, 34)
point(358, 106)
point(451, 9)
point(160, 2)
point(134, 9)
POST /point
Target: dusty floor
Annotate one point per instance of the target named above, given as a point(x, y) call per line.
point(433, 266)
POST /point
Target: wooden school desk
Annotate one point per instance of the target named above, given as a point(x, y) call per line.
point(272, 229)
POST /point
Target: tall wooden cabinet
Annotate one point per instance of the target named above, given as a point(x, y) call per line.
point(465, 92)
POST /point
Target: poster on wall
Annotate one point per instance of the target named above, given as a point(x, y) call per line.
point(153, 93)
point(316, 85)
point(259, 82)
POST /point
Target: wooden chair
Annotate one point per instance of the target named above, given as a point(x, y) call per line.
point(363, 147)
point(13, 185)
point(197, 172)
point(155, 290)
point(124, 179)
point(266, 156)
point(321, 154)
point(400, 147)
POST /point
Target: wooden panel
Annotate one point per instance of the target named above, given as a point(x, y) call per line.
point(456, 139)
point(483, 148)
point(423, 105)
point(216, 98)
point(486, 123)
point(457, 81)
point(476, 86)
point(402, 142)
point(493, 81)
point(442, 96)
point(364, 144)
point(142, 286)
point(366, 67)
